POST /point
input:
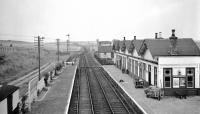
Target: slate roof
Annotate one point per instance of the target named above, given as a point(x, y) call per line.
point(161, 47)
point(103, 49)
point(6, 90)
point(137, 44)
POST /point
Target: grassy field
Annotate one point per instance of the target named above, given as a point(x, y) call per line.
point(24, 59)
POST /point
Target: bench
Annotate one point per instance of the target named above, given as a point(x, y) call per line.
point(181, 94)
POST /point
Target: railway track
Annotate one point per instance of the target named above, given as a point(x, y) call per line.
point(30, 76)
point(94, 92)
point(20, 81)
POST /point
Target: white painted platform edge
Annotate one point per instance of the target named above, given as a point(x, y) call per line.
point(71, 88)
point(140, 107)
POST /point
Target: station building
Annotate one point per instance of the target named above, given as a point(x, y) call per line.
point(104, 49)
point(170, 63)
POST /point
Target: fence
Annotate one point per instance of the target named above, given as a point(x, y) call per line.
point(7, 49)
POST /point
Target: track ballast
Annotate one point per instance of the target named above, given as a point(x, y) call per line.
point(95, 92)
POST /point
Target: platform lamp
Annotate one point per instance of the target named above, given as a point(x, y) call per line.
point(68, 42)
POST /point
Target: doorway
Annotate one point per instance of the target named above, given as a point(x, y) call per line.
point(149, 74)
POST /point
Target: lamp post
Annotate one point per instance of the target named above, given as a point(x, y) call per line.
point(68, 42)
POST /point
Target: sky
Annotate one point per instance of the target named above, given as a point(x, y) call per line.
point(88, 20)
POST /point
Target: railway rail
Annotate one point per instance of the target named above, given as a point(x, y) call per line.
point(33, 74)
point(30, 76)
point(94, 92)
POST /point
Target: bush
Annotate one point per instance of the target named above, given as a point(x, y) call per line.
point(2, 59)
point(59, 66)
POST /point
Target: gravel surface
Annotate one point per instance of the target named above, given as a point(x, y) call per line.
point(167, 105)
point(56, 99)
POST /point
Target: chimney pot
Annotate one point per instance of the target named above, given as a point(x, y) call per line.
point(124, 38)
point(134, 37)
point(173, 43)
point(173, 32)
point(156, 35)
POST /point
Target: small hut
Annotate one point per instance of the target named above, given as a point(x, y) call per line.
point(9, 99)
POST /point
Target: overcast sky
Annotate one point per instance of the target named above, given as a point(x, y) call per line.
point(98, 19)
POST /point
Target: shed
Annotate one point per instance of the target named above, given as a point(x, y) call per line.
point(9, 98)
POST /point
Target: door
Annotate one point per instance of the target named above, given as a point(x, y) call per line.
point(149, 74)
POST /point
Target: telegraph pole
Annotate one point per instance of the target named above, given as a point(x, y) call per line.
point(39, 39)
point(68, 43)
point(58, 52)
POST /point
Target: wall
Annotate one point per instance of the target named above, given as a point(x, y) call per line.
point(41, 84)
point(34, 86)
point(146, 71)
point(32, 93)
point(135, 53)
point(147, 55)
point(178, 63)
point(3, 107)
point(15, 99)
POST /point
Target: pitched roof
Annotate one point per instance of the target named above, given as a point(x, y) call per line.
point(137, 43)
point(107, 49)
point(6, 90)
point(161, 47)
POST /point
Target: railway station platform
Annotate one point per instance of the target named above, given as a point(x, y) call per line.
point(58, 96)
point(167, 105)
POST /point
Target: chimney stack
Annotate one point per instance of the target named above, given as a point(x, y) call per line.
point(156, 35)
point(134, 37)
point(173, 43)
point(123, 48)
point(160, 34)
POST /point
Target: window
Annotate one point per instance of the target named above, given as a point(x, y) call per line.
point(182, 82)
point(190, 73)
point(155, 76)
point(176, 83)
point(179, 80)
point(167, 73)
